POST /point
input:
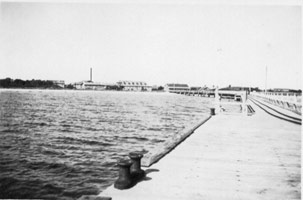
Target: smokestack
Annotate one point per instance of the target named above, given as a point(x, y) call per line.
point(91, 75)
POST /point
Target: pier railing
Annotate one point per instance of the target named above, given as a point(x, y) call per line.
point(286, 100)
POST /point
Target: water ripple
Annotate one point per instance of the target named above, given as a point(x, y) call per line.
point(65, 144)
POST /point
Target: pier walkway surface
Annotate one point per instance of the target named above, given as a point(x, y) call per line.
point(229, 157)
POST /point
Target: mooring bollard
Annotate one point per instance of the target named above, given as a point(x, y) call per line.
point(135, 170)
point(212, 111)
point(124, 181)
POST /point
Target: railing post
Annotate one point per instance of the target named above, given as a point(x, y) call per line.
point(217, 100)
point(244, 99)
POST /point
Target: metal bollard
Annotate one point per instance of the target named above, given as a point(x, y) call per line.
point(124, 181)
point(135, 170)
point(212, 111)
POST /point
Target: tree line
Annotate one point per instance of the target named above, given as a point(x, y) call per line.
point(18, 83)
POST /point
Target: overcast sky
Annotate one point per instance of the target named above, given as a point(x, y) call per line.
point(197, 44)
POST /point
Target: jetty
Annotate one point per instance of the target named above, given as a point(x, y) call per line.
point(230, 156)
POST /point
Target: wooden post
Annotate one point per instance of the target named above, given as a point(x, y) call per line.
point(217, 100)
point(244, 99)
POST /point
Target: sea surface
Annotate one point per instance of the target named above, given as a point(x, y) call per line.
point(62, 144)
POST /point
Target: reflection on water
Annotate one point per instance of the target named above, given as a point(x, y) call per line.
point(64, 144)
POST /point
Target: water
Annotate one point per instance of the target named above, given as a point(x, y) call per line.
point(64, 144)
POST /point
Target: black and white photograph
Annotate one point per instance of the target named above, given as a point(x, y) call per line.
point(150, 99)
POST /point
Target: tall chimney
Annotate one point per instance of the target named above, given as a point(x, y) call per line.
point(91, 75)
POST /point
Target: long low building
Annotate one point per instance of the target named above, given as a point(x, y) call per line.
point(120, 85)
point(89, 85)
point(134, 86)
point(176, 87)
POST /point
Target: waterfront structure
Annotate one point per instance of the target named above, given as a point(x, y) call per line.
point(198, 91)
point(80, 85)
point(134, 86)
point(195, 88)
point(237, 88)
point(285, 91)
point(176, 88)
point(157, 88)
point(89, 85)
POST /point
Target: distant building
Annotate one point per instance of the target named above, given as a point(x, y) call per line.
point(154, 88)
point(59, 83)
point(134, 86)
point(78, 85)
point(157, 88)
point(237, 88)
point(176, 87)
point(284, 91)
point(89, 85)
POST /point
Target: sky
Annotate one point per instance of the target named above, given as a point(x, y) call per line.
point(197, 44)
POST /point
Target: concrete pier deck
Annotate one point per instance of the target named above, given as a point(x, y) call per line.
point(229, 157)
